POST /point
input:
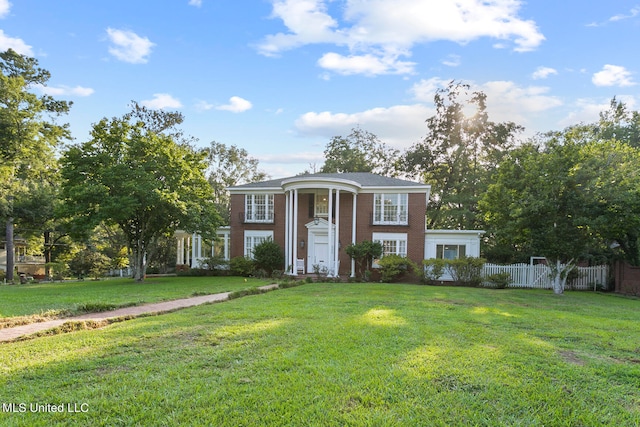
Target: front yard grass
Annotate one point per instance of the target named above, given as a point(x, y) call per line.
point(69, 298)
point(344, 354)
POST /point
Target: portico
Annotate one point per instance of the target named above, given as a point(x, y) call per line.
point(323, 233)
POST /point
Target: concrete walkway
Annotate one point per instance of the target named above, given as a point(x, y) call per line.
point(10, 334)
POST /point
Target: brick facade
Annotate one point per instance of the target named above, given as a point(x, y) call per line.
point(365, 228)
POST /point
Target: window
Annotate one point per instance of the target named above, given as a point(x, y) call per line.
point(450, 251)
point(392, 243)
point(390, 208)
point(253, 238)
point(321, 204)
point(258, 208)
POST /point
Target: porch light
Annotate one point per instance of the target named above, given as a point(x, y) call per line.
point(316, 221)
point(302, 244)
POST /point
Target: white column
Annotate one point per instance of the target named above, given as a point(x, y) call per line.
point(336, 243)
point(353, 232)
point(295, 232)
point(194, 253)
point(329, 231)
point(287, 243)
point(226, 246)
point(179, 250)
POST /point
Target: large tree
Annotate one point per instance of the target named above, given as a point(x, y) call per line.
point(360, 151)
point(133, 173)
point(28, 137)
point(458, 156)
point(228, 167)
point(536, 206)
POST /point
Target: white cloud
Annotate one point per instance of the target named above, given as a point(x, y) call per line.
point(635, 11)
point(307, 21)
point(399, 126)
point(203, 106)
point(236, 105)
point(162, 101)
point(364, 64)
point(506, 101)
point(128, 46)
point(613, 75)
point(543, 73)
point(292, 158)
point(452, 61)
point(425, 90)
point(16, 44)
point(389, 29)
point(196, 3)
point(586, 110)
point(5, 7)
point(66, 90)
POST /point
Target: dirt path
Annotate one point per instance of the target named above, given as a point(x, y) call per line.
point(10, 334)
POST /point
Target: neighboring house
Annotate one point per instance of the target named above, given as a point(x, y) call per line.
point(31, 265)
point(313, 217)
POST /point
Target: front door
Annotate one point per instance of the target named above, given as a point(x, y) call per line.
point(319, 254)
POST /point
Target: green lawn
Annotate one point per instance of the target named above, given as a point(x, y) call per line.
point(25, 300)
point(345, 354)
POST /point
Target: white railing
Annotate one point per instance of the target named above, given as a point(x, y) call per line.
point(539, 276)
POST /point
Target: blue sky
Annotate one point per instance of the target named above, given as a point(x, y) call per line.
point(281, 77)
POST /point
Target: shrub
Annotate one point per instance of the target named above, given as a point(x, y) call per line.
point(433, 269)
point(217, 265)
point(182, 268)
point(268, 256)
point(363, 254)
point(466, 270)
point(393, 267)
point(241, 266)
point(498, 280)
point(89, 262)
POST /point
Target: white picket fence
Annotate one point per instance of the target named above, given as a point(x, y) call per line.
point(538, 276)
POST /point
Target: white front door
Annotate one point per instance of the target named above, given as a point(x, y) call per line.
point(319, 253)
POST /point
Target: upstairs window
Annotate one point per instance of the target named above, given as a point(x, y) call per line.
point(321, 204)
point(258, 208)
point(390, 208)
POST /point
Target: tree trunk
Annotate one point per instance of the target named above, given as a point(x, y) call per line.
point(139, 262)
point(47, 254)
point(11, 262)
point(559, 275)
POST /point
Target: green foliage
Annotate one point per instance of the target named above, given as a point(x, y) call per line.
point(215, 264)
point(364, 253)
point(268, 256)
point(242, 266)
point(458, 156)
point(29, 135)
point(498, 280)
point(361, 151)
point(135, 174)
point(433, 269)
point(466, 270)
point(395, 267)
point(228, 167)
point(57, 270)
point(89, 262)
